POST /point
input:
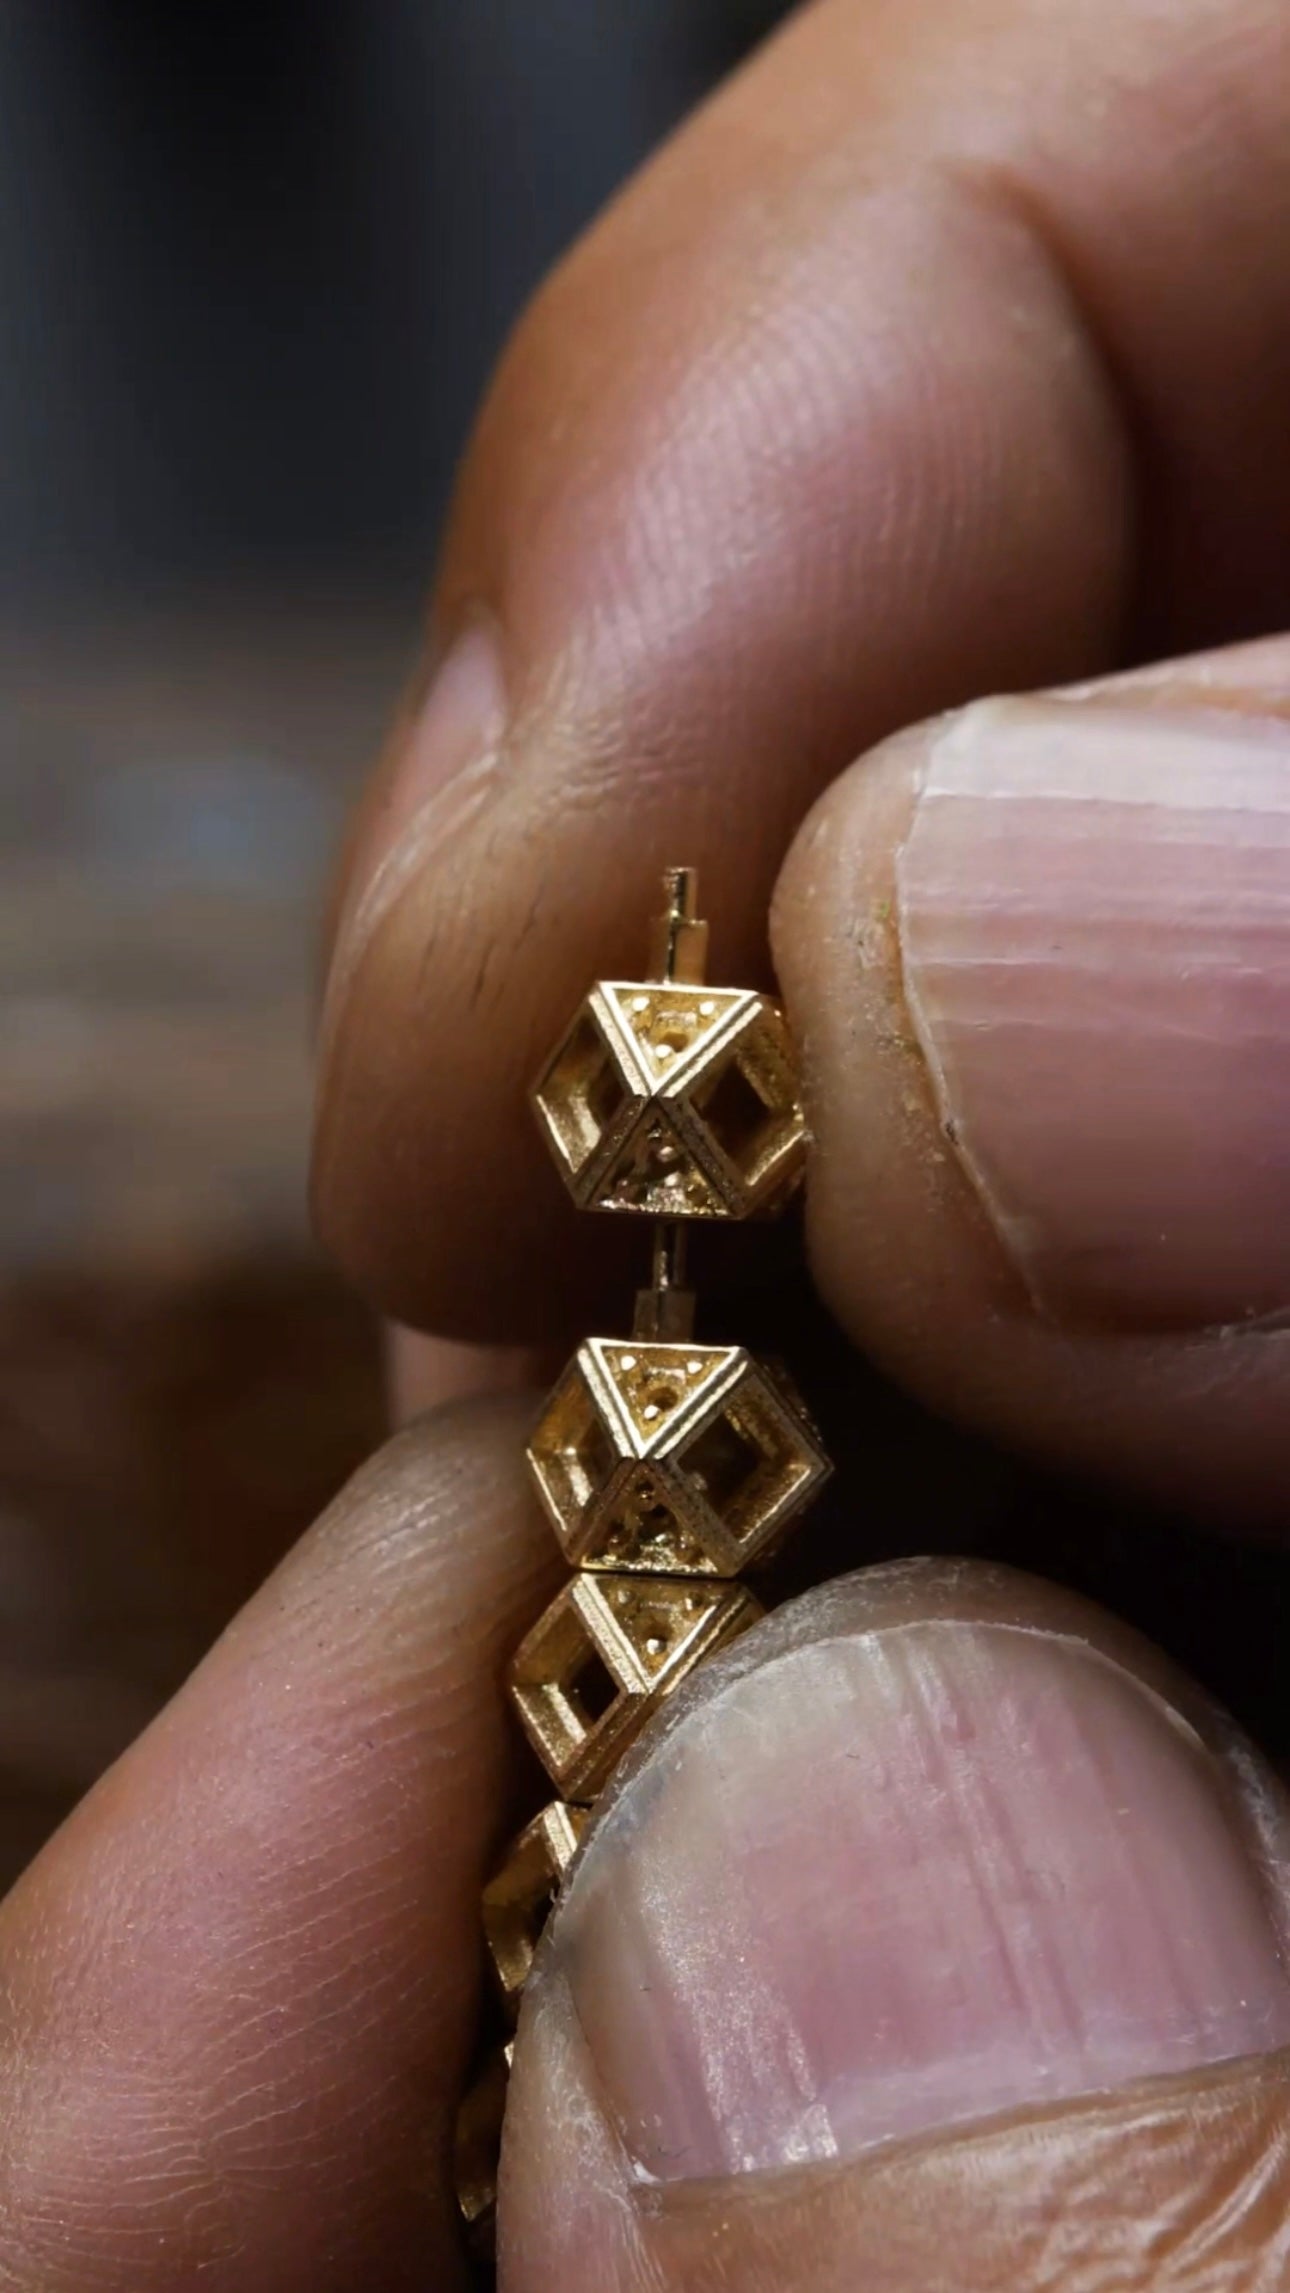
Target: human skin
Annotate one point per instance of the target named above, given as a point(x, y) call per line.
point(938, 1939)
point(240, 1983)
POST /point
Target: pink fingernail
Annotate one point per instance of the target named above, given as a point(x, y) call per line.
point(1094, 915)
point(889, 1883)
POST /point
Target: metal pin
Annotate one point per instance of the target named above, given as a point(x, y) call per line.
point(679, 939)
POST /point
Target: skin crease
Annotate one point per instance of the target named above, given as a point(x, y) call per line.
point(239, 1985)
point(949, 390)
point(681, 618)
point(285, 1870)
point(1180, 2186)
point(737, 508)
point(946, 352)
point(900, 1246)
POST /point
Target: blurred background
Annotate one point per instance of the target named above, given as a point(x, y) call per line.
point(254, 265)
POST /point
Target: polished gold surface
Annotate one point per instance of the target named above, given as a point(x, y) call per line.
point(520, 1895)
point(477, 2148)
point(664, 1466)
point(675, 1459)
point(607, 1653)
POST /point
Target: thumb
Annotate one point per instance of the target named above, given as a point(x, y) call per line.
point(936, 1944)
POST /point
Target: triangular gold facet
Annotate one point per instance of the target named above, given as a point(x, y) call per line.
point(659, 1618)
point(654, 1383)
point(671, 1025)
point(654, 1170)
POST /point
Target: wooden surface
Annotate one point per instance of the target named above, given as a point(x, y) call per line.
point(182, 1381)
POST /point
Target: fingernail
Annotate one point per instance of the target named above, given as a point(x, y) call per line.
point(1094, 917)
point(443, 771)
point(893, 1881)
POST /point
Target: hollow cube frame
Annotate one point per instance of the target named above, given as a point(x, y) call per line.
point(521, 1891)
point(607, 1653)
point(673, 1459)
point(674, 1100)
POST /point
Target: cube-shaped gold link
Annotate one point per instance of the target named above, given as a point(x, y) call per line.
point(673, 1459)
point(519, 1897)
point(477, 2149)
point(674, 1100)
point(607, 1653)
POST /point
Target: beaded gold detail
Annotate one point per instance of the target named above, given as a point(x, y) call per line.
point(665, 1466)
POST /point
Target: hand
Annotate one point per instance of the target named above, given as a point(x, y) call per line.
point(939, 1940)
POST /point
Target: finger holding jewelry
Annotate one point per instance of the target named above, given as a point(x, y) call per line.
point(240, 1985)
point(937, 1939)
point(1037, 957)
point(946, 351)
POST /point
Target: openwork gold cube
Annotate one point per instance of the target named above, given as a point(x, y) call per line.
point(675, 1100)
point(665, 1466)
point(478, 2147)
point(673, 1459)
point(519, 1897)
point(607, 1653)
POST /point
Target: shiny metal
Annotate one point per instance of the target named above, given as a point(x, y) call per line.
point(609, 1650)
point(521, 1892)
point(665, 1466)
point(673, 1459)
point(669, 1099)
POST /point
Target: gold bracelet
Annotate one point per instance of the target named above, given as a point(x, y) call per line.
point(665, 1466)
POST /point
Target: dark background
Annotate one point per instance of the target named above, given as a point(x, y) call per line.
point(254, 265)
point(256, 262)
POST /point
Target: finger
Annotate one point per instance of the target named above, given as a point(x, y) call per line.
point(1038, 957)
point(947, 341)
point(239, 1986)
point(424, 1373)
point(943, 1919)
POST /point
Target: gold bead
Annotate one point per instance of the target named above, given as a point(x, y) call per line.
point(674, 1101)
point(521, 1893)
point(606, 1655)
point(673, 1459)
